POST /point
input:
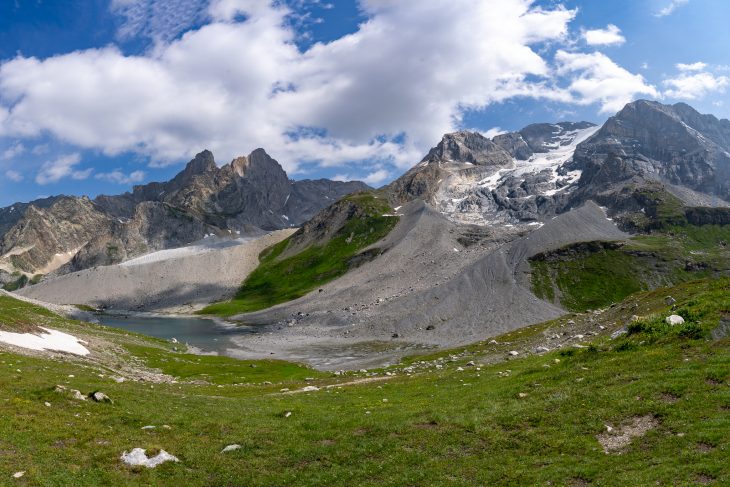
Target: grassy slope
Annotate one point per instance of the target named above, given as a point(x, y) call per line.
point(278, 280)
point(594, 279)
point(438, 426)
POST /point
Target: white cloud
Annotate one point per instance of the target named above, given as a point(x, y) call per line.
point(386, 92)
point(695, 85)
point(119, 177)
point(14, 176)
point(376, 177)
point(493, 132)
point(698, 66)
point(670, 8)
point(597, 79)
point(63, 167)
point(12, 151)
point(610, 36)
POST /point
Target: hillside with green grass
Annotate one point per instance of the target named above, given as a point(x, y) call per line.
point(649, 407)
point(334, 242)
point(591, 275)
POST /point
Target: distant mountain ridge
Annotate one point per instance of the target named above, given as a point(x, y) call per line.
point(250, 195)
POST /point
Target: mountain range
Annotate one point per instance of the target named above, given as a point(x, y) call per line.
point(473, 207)
point(247, 197)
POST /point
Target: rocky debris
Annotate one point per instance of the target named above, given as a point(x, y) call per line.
point(138, 457)
point(670, 301)
point(309, 389)
point(674, 320)
point(18, 475)
point(230, 448)
point(615, 439)
point(99, 396)
point(513, 353)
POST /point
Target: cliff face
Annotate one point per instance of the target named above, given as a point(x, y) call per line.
point(648, 141)
point(251, 194)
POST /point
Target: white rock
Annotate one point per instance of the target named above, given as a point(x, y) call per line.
point(231, 448)
point(287, 414)
point(150, 427)
point(675, 320)
point(514, 353)
point(78, 396)
point(138, 457)
point(18, 475)
point(309, 389)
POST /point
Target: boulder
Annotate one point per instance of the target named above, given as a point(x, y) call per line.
point(674, 320)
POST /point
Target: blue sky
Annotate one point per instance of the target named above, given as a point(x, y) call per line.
point(96, 96)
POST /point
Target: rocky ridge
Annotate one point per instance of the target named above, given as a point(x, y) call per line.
point(546, 169)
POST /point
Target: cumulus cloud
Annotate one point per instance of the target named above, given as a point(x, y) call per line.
point(698, 66)
point(598, 79)
point(670, 8)
point(493, 132)
point(13, 175)
point(117, 176)
point(63, 167)
point(376, 177)
point(695, 85)
point(383, 93)
point(610, 36)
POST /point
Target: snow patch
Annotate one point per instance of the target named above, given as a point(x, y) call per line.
point(210, 245)
point(50, 340)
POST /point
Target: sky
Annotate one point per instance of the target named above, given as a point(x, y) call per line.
point(99, 95)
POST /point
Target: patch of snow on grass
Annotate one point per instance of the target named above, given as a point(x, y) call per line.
point(50, 340)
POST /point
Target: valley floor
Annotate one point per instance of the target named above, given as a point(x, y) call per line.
point(646, 407)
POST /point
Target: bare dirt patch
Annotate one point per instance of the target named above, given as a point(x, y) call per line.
point(615, 439)
point(704, 447)
point(670, 398)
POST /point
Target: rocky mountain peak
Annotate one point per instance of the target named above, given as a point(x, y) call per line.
point(468, 147)
point(545, 137)
point(203, 162)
